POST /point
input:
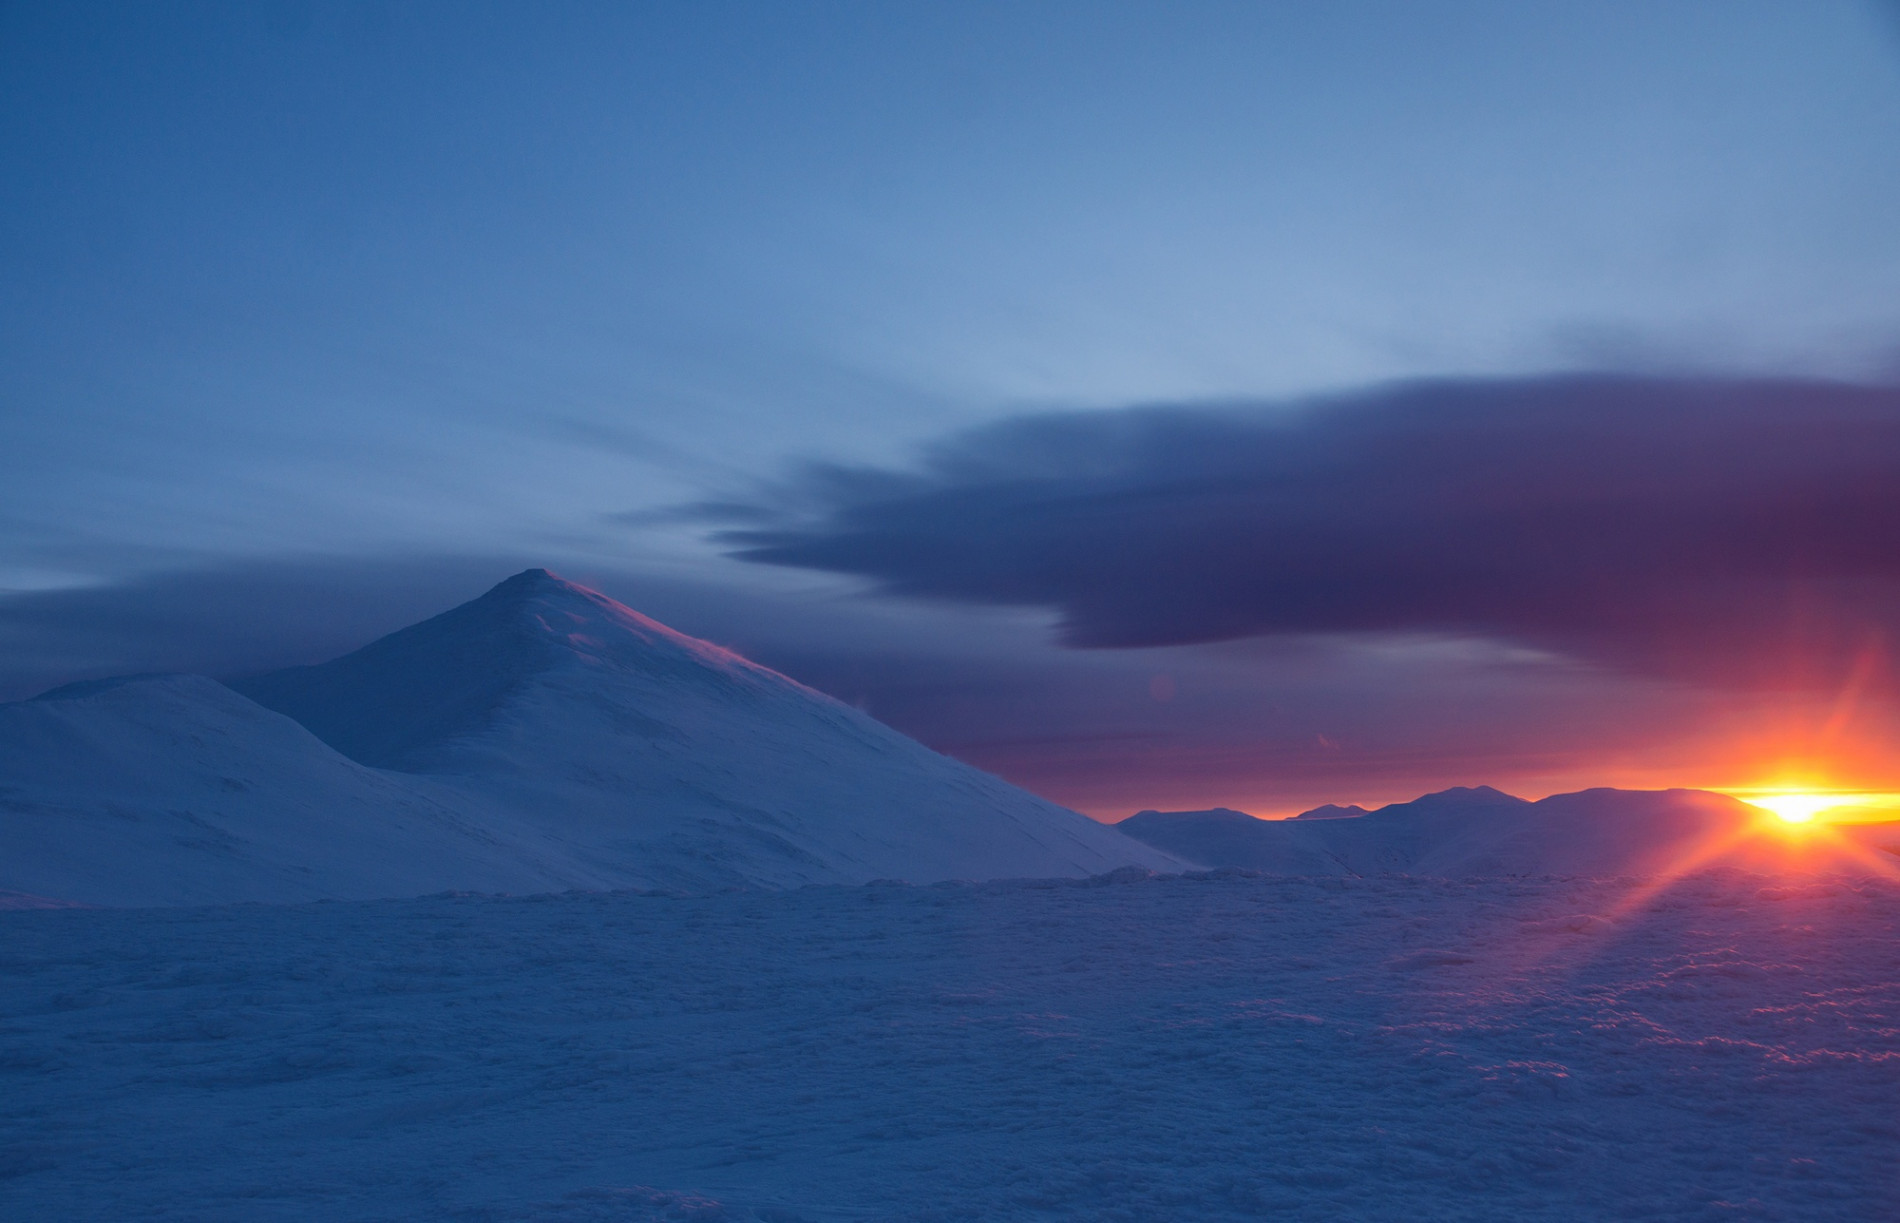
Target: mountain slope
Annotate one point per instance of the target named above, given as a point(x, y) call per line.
point(658, 758)
point(176, 790)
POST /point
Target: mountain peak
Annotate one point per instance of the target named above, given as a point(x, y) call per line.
point(391, 703)
point(527, 582)
point(1332, 811)
point(1459, 798)
point(399, 700)
point(531, 585)
point(554, 614)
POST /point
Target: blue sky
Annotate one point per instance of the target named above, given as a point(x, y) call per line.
point(393, 285)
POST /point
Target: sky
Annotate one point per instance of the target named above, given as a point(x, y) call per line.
point(1163, 405)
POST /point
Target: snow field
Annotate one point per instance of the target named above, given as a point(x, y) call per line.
point(1215, 1046)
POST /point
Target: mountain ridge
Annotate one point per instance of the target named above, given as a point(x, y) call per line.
point(1480, 831)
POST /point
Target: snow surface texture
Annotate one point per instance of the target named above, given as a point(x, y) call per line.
point(1217, 1047)
point(1470, 831)
point(539, 738)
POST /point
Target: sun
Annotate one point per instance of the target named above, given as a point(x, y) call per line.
point(1795, 808)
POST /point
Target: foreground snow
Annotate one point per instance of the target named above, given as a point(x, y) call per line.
point(1210, 1047)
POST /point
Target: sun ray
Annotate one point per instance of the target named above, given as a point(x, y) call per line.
point(1694, 856)
point(1868, 662)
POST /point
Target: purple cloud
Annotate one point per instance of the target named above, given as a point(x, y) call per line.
point(1743, 532)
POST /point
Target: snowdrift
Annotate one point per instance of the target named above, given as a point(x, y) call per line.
point(1478, 831)
point(541, 737)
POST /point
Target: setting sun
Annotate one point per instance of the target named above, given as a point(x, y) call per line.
point(1795, 808)
point(1802, 806)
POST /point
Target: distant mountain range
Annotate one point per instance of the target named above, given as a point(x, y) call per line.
point(541, 737)
point(1478, 831)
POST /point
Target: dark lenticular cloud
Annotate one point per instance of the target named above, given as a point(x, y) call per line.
point(1738, 531)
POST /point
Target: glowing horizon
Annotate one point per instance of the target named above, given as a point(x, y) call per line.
point(1793, 804)
point(1802, 805)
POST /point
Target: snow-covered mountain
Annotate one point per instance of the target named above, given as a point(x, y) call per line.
point(540, 737)
point(1470, 831)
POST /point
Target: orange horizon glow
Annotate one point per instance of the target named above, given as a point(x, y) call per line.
point(1809, 749)
point(1790, 802)
point(1839, 806)
point(1821, 758)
